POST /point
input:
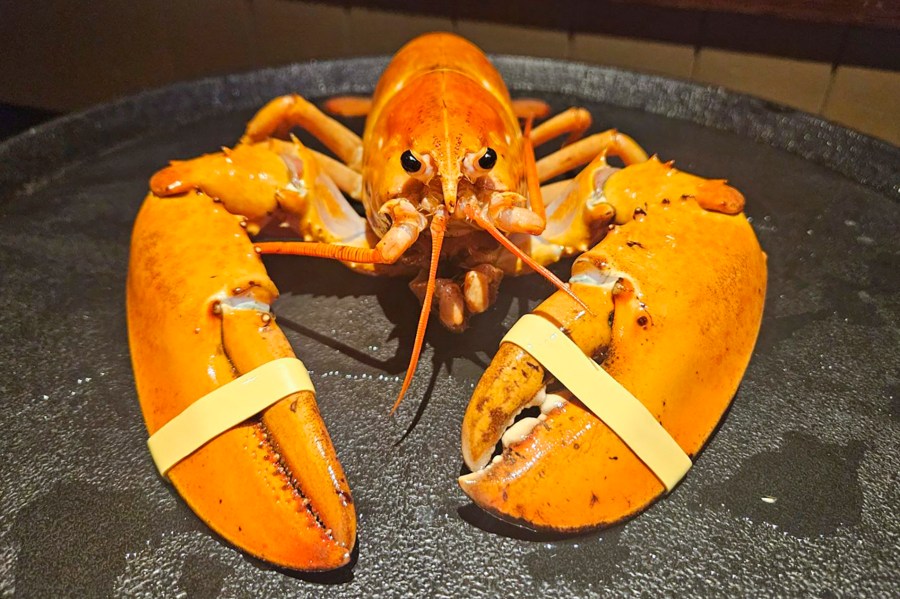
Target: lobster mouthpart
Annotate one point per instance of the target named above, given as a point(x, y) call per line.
point(198, 317)
point(677, 296)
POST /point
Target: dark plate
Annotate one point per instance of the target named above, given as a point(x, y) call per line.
point(797, 492)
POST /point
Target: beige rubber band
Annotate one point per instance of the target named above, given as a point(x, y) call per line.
point(227, 406)
point(621, 411)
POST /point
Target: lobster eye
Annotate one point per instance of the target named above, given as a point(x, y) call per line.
point(410, 163)
point(488, 160)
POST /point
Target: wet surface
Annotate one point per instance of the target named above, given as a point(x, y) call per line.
point(814, 426)
point(562, 561)
point(893, 395)
point(806, 487)
point(202, 578)
point(75, 539)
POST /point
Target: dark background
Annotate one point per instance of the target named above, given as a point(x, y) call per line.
point(837, 58)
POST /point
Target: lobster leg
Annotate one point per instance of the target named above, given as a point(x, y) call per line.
point(676, 295)
point(574, 121)
point(530, 108)
point(348, 180)
point(582, 152)
point(350, 106)
point(280, 115)
point(458, 299)
point(480, 287)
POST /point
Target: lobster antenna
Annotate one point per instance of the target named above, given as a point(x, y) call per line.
point(438, 226)
point(521, 255)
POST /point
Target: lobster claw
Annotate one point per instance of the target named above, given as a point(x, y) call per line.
point(198, 317)
point(676, 295)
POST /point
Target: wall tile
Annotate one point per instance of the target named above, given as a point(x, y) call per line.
point(796, 83)
point(867, 100)
point(383, 32)
point(658, 58)
point(61, 55)
point(35, 76)
point(289, 32)
point(210, 36)
point(509, 39)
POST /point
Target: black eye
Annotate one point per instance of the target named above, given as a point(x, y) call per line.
point(409, 162)
point(489, 159)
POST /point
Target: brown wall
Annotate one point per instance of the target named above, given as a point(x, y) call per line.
point(64, 55)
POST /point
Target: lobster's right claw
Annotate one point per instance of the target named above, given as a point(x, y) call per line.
point(677, 297)
point(198, 317)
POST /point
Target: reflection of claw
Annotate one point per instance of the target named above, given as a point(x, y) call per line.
point(703, 275)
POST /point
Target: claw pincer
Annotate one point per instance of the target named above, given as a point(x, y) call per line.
point(676, 291)
point(198, 317)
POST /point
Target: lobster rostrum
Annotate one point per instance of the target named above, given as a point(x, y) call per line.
point(454, 197)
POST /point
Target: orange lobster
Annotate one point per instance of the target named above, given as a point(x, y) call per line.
point(451, 187)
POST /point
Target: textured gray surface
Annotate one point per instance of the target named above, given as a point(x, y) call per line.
point(815, 424)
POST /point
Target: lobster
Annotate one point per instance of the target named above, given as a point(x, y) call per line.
point(454, 197)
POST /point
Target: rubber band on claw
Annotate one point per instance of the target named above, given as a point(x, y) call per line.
point(227, 406)
point(612, 403)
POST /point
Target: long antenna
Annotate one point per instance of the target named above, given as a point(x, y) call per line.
point(521, 255)
point(438, 226)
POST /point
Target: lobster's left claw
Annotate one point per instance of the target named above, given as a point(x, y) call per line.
point(677, 297)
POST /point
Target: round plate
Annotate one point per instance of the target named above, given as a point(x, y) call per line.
point(796, 493)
